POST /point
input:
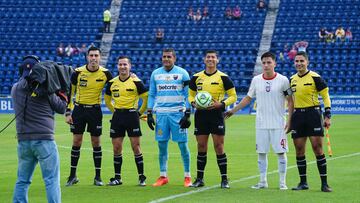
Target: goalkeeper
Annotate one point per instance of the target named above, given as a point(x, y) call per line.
point(168, 94)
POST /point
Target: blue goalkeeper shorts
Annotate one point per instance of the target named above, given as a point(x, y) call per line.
point(167, 124)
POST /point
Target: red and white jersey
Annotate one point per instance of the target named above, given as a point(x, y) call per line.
point(270, 97)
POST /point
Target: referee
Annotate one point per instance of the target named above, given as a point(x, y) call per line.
point(307, 121)
point(121, 97)
point(211, 120)
point(87, 82)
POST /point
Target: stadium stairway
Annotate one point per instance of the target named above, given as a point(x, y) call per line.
point(107, 39)
point(267, 33)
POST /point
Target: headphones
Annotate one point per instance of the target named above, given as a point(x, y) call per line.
point(36, 58)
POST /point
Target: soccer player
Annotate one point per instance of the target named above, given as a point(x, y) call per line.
point(270, 90)
point(125, 91)
point(211, 120)
point(307, 121)
point(88, 82)
point(168, 95)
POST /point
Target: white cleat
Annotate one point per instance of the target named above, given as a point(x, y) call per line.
point(283, 187)
point(260, 185)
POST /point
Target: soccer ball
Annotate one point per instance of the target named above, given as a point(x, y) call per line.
point(203, 99)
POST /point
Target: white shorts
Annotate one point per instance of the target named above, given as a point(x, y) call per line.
point(276, 137)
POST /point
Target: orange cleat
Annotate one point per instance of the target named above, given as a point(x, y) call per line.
point(162, 180)
point(187, 182)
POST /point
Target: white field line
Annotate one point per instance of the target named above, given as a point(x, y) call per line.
point(240, 180)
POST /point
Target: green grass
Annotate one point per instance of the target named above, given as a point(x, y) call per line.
point(343, 168)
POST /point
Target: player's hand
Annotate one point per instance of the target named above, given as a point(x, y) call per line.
point(287, 128)
point(228, 114)
point(327, 122)
point(142, 116)
point(150, 120)
point(216, 105)
point(68, 119)
point(185, 120)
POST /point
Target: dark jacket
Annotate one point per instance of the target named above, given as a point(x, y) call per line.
point(35, 114)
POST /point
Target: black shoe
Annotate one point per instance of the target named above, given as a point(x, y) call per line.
point(114, 182)
point(326, 188)
point(142, 179)
point(72, 181)
point(198, 183)
point(301, 186)
point(225, 184)
point(98, 181)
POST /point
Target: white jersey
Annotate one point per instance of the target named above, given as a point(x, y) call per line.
point(270, 100)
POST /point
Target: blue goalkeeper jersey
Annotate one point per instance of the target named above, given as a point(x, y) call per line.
point(169, 90)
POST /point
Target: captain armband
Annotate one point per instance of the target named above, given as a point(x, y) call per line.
point(288, 92)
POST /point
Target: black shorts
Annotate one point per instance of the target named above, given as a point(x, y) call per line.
point(209, 121)
point(91, 116)
point(307, 122)
point(125, 120)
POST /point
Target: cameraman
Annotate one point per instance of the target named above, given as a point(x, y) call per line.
point(35, 134)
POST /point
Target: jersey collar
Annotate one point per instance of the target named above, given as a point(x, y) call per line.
point(263, 76)
point(300, 76)
point(211, 73)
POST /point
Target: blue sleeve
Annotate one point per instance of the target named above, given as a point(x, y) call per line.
point(186, 81)
point(152, 92)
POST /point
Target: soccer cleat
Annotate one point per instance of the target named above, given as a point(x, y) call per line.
point(72, 181)
point(326, 188)
point(114, 182)
point(187, 182)
point(301, 186)
point(198, 183)
point(142, 179)
point(98, 181)
point(162, 180)
point(283, 186)
point(225, 184)
point(260, 185)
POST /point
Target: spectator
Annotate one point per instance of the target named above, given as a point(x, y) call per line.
point(301, 46)
point(237, 13)
point(60, 50)
point(329, 37)
point(83, 49)
point(261, 5)
point(198, 16)
point(348, 35)
point(107, 20)
point(190, 15)
point(69, 50)
point(322, 34)
point(206, 13)
point(228, 13)
point(75, 50)
point(292, 53)
point(159, 36)
point(340, 34)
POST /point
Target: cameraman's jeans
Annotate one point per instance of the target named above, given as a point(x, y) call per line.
point(30, 152)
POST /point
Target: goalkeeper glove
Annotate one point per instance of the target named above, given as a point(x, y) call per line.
point(185, 120)
point(150, 120)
